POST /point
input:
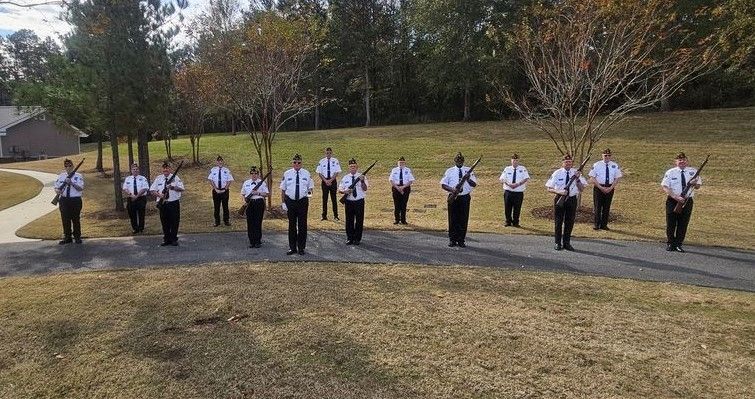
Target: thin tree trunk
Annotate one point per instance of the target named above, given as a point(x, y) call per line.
point(317, 110)
point(142, 144)
point(466, 101)
point(116, 170)
point(233, 124)
point(367, 96)
point(130, 148)
point(99, 153)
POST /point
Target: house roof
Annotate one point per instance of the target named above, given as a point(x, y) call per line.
point(11, 116)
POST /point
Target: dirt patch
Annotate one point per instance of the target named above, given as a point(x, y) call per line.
point(584, 214)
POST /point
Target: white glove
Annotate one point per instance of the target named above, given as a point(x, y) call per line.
point(284, 207)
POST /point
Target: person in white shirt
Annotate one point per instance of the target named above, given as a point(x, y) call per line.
point(564, 215)
point(673, 183)
point(401, 179)
point(354, 202)
point(170, 206)
point(328, 169)
point(220, 179)
point(253, 192)
point(604, 176)
point(458, 210)
point(70, 204)
point(514, 179)
point(135, 188)
point(296, 188)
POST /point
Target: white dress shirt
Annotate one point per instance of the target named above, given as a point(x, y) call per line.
point(159, 183)
point(598, 172)
point(225, 176)
point(451, 179)
point(507, 177)
point(395, 175)
point(288, 183)
point(346, 183)
point(77, 179)
point(559, 180)
point(673, 180)
point(141, 184)
point(248, 185)
point(322, 167)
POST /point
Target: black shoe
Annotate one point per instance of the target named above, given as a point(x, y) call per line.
point(679, 248)
point(324, 218)
point(174, 243)
point(605, 228)
point(507, 224)
point(135, 232)
point(291, 252)
point(517, 225)
point(357, 242)
point(65, 241)
point(302, 252)
point(257, 245)
point(216, 225)
point(396, 222)
point(557, 247)
point(77, 240)
point(670, 247)
point(336, 218)
point(568, 247)
point(452, 244)
point(595, 228)
point(349, 242)
point(462, 245)
point(251, 245)
point(227, 223)
point(165, 244)
point(403, 222)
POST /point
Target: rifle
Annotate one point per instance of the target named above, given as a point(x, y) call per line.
point(63, 186)
point(166, 190)
point(686, 190)
point(248, 198)
point(560, 199)
point(357, 180)
point(453, 194)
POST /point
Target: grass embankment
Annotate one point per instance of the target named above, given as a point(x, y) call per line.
point(17, 189)
point(358, 331)
point(644, 146)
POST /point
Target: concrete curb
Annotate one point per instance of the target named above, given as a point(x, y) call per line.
point(20, 215)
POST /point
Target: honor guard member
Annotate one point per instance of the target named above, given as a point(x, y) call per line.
point(401, 179)
point(296, 187)
point(170, 210)
point(220, 178)
point(673, 184)
point(604, 176)
point(354, 202)
point(255, 209)
point(70, 202)
point(328, 169)
point(458, 210)
point(563, 216)
point(514, 179)
point(135, 188)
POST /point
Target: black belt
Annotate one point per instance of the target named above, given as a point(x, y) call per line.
point(605, 185)
point(302, 198)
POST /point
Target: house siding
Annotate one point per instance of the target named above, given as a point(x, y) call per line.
point(40, 136)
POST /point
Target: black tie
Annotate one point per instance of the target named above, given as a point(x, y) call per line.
point(460, 175)
point(135, 192)
point(353, 193)
point(567, 181)
point(684, 181)
point(513, 180)
point(401, 176)
point(296, 194)
point(328, 161)
point(220, 182)
point(607, 183)
point(68, 189)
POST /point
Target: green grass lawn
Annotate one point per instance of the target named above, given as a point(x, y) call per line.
point(365, 331)
point(644, 146)
point(17, 188)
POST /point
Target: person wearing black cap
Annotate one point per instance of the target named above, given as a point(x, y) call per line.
point(328, 168)
point(563, 216)
point(604, 176)
point(220, 179)
point(135, 188)
point(296, 188)
point(255, 209)
point(458, 210)
point(170, 210)
point(401, 180)
point(70, 203)
point(673, 183)
point(354, 203)
point(514, 179)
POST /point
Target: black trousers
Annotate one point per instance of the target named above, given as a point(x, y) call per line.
point(217, 200)
point(70, 214)
point(297, 223)
point(354, 219)
point(331, 191)
point(676, 224)
point(136, 209)
point(564, 219)
point(170, 217)
point(399, 203)
point(512, 205)
point(458, 218)
point(255, 211)
point(601, 206)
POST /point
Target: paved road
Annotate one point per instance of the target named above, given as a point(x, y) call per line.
point(17, 216)
point(704, 266)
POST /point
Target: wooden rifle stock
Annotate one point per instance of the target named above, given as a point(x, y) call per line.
point(166, 190)
point(453, 194)
point(248, 198)
point(358, 179)
point(560, 199)
point(686, 190)
point(64, 185)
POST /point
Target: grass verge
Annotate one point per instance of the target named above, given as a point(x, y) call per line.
point(17, 189)
point(365, 331)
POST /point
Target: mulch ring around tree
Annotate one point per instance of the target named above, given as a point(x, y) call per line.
point(584, 214)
